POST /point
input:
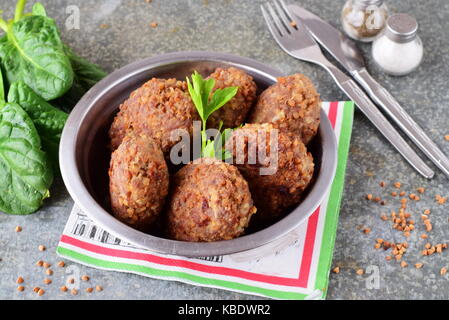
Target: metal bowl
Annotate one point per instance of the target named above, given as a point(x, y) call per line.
point(84, 156)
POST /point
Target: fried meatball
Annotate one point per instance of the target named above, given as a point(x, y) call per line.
point(156, 109)
point(138, 181)
point(286, 175)
point(235, 111)
point(210, 201)
point(292, 104)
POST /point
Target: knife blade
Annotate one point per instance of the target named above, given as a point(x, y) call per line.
point(349, 56)
point(335, 42)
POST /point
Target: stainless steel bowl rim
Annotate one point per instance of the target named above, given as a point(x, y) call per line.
point(87, 203)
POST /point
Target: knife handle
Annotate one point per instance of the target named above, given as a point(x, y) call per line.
point(356, 94)
point(389, 104)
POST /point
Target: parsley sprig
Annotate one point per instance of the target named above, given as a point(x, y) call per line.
point(206, 104)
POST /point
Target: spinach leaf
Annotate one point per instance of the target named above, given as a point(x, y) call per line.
point(49, 121)
point(87, 75)
point(39, 10)
point(2, 91)
point(33, 52)
point(25, 170)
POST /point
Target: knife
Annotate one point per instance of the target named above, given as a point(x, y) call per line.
point(349, 56)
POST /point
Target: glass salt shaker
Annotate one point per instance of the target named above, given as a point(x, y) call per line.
point(363, 20)
point(398, 50)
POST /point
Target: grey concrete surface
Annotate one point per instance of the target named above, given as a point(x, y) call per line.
point(114, 33)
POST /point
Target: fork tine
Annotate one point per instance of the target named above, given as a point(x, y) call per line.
point(292, 39)
point(276, 20)
point(299, 26)
point(287, 12)
point(273, 29)
point(283, 16)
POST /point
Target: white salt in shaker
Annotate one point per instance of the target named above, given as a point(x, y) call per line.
point(398, 50)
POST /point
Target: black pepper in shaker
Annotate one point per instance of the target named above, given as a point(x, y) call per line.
point(363, 20)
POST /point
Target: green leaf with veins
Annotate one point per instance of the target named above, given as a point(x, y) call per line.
point(196, 91)
point(215, 148)
point(87, 74)
point(2, 91)
point(25, 170)
point(32, 51)
point(48, 120)
point(220, 98)
point(209, 149)
point(39, 10)
point(206, 103)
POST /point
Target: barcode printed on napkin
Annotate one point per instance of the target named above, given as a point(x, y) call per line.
point(81, 226)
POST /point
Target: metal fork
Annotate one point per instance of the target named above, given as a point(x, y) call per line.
point(294, 38)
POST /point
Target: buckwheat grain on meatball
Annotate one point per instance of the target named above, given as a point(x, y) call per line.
point(139, 181)
point(210, 201)
point(156, 109)
point(285, 177)
point(292, 104)
point(235, 111)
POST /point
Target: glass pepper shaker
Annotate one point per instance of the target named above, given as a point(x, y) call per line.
point(363, 20)
point(398, 50)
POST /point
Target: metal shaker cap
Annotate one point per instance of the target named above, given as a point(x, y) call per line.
point(401, 28)
point(366, 3)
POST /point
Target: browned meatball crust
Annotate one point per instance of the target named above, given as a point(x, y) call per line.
point(235, 111)
point(273, 193)
point(156, 109)
point(138, 181)
point(210, 201)
point(292, 104)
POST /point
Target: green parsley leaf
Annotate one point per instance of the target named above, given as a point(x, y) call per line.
point(220, 98)
point(209, 150)
point(206, 103)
